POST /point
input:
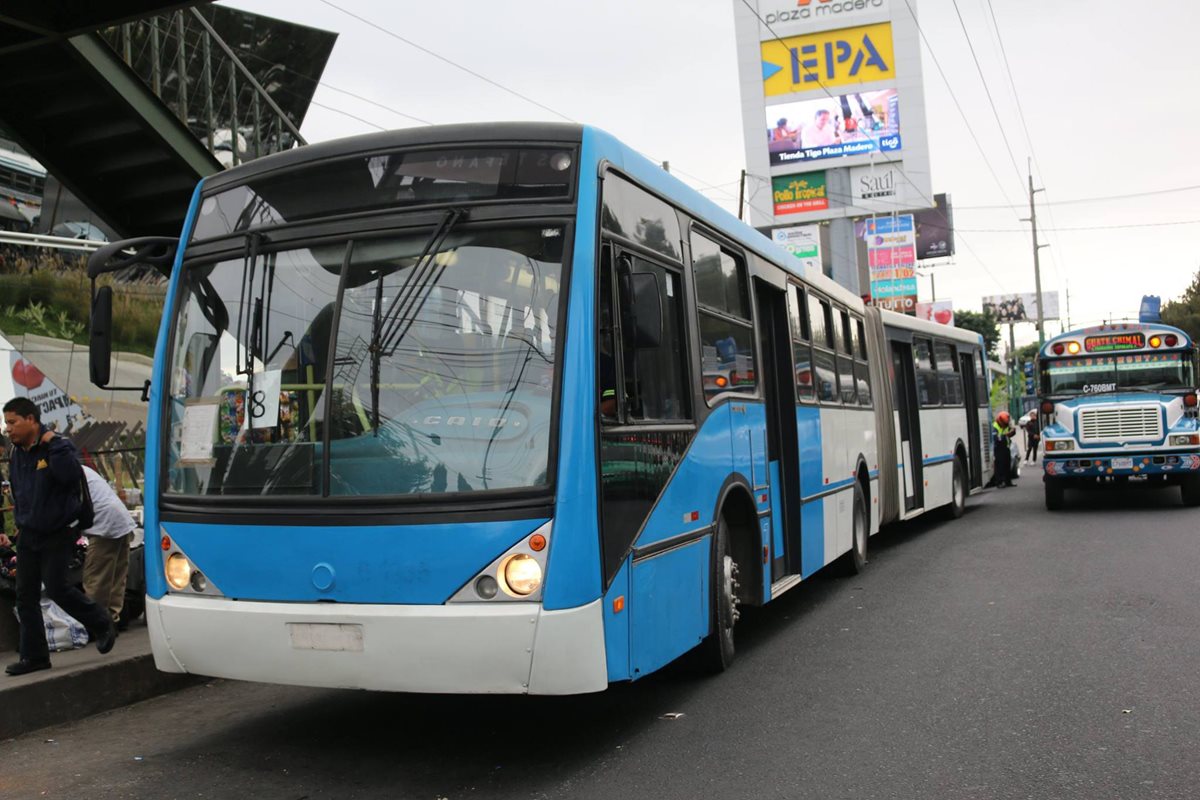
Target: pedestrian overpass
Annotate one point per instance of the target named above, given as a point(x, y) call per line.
point(130, 102)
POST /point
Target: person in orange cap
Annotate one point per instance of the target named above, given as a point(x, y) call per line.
point(1002, 434)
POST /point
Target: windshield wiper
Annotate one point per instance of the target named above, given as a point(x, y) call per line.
point(389, 328)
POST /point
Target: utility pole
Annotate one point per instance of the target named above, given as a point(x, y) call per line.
point(1037, 266)
point(742, 195)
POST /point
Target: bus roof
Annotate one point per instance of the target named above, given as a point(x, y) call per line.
point(1148, 328)
point(606, 147)
point(897, 320)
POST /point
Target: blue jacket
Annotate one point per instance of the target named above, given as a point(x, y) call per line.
point(45, 487)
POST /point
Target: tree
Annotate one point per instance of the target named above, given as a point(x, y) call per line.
point(1184, 312)
point(982, 323)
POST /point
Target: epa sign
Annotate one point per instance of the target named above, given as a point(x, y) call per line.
point(849, 56)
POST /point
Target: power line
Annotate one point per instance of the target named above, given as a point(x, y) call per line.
point(1024, 125)
point(966, 121)
point(1098, 199)
point(987, 91)
point(446, 60)
point(1086, 227)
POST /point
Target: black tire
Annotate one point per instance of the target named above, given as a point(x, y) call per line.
point(1189, 489)
point(958, 491)
point(716, 653)
point(855, 561)
point(1056, 495)
point(134, 607)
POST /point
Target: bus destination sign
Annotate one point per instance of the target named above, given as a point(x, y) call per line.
point(1112, 342)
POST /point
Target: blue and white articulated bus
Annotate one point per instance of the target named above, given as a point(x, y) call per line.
point(1119, 405)
point(507, 408)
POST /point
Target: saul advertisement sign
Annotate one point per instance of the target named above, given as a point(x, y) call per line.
point(795, 194)
point(879, 187)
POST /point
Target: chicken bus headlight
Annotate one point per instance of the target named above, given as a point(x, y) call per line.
point(522, 575)
point(178, 570)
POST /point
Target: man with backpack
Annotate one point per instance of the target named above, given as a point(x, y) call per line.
point(48, 494)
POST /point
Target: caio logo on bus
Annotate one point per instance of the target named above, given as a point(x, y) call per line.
point(813, 61)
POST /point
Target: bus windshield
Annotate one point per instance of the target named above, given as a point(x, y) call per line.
point(1104, 374)
point(431, 375)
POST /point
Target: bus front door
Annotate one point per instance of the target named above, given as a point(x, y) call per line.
point(966, 363)
point(909, 450)
point(783, 447)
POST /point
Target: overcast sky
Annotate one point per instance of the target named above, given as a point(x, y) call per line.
point(1108, 88)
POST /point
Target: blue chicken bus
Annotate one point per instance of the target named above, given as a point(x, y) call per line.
point(508, 408)
point(1118, 405)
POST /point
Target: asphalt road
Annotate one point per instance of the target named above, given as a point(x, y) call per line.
point(1011, 654)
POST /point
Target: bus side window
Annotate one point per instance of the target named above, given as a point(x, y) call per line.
point(927, 379)
point(845, 358)
point(981, 386)
point(801, 351)
point(653, 377)
point(949, 381)
point(824, 361)
point(726, 332)
point(862, 376)
point(606, 351)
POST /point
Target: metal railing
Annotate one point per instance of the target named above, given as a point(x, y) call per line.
point(198, 76)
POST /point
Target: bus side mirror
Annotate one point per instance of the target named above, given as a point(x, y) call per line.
point(100, 339)
point(647, 310)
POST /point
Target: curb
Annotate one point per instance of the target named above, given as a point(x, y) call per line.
point(84, 692)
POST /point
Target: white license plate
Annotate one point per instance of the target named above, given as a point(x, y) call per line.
point(1122, 463)
point(326, 636)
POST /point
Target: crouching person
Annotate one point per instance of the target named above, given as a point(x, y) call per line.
point(45, 475)
point(107, 565)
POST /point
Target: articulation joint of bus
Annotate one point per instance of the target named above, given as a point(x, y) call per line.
point(1119, 405)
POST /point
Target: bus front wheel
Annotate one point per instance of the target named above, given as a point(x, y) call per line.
point(958, 490)
point(717, 651)
point(1055, 495)
point(1190, 489)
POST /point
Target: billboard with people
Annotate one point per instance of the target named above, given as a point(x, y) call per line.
point(1021, 307)
point(833, 127)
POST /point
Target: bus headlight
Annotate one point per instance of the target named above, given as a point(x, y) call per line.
point(178, 570)
point(1186, 438)
point(522, 575)
point(1059, 444)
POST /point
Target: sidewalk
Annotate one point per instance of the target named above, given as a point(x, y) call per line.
point(83, 682)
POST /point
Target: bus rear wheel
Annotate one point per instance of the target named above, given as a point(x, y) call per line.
point(856, 560)
point(717, 651)
point(1055, 495)
point(1190, 489)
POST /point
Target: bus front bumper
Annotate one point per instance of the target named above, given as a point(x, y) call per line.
point(1134, 464)
point(503, 648)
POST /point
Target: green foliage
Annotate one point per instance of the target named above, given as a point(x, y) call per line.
point(999, 396)
point(58, 304)
point(41, 320)
point(984, 323)
point(1184, 312)
point(1027, 352)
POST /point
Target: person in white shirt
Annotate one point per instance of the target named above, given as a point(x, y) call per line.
point(107, 564)
point(821, 133)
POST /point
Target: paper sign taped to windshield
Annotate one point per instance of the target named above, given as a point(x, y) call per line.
point(196, 432)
